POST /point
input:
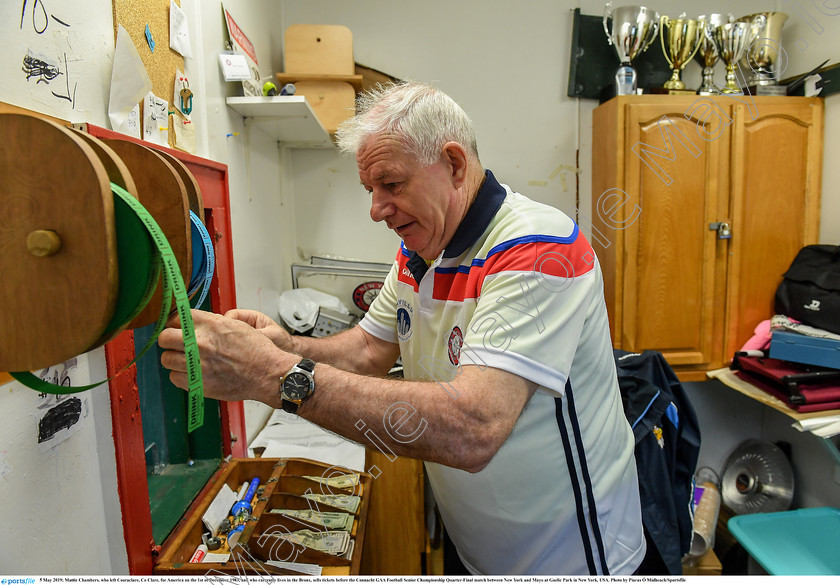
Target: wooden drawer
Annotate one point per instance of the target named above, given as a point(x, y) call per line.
point(282, 485)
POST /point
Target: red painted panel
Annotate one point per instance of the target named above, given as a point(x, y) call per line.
point(125, 405)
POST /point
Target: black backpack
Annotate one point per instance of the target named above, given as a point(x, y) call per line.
point(810, 290)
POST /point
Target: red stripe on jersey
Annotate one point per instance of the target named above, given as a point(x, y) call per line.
point(404, 275)
point(549, 258)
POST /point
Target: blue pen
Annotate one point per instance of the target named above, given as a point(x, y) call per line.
point(242, 508)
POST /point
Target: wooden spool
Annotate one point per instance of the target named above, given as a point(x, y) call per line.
point(119, 175)
point(163, 194)
point(190, 184)
point(54, 306)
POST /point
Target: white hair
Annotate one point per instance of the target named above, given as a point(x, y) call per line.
point(421, 117)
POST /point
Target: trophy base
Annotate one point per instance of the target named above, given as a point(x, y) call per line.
point(766, 90)
point(662, 90)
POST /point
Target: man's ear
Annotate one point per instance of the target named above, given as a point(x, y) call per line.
point(456, 156)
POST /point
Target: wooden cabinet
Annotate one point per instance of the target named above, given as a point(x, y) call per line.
point(667, 169)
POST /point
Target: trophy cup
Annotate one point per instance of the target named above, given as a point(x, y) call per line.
point(765, 55)
point(634, 28)
point(682, 43)
point(731, 40)
point(707, 56)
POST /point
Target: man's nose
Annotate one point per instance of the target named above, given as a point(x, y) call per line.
point(380, 205)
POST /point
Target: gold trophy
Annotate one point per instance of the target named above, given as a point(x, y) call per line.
point(732, 39)
point(765, 56)
point(683, 41)
point(707, 56)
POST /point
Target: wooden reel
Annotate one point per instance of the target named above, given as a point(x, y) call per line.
point(58, 256)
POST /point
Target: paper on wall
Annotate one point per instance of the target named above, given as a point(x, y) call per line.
point(184, 131)
point(155, 120)
point(129, 82)
point(179, 32)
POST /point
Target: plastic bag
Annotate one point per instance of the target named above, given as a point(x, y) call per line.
point(299, 307)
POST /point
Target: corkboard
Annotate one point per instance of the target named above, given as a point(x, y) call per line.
point(162, 65)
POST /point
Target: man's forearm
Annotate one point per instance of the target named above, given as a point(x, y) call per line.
point(419, 419)
point(349, 350)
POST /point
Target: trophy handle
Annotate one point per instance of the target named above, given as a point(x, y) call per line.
point(607, 15)
point(663, 23)
point(696, 46)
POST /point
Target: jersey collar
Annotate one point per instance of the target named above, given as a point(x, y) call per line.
point(487, 202)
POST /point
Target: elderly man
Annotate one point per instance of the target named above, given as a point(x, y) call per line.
point(495, 304)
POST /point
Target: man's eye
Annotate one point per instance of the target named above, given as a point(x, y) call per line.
point(392, 186)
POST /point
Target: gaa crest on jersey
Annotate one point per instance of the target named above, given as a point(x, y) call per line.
point(404, 316)
point(455, 342)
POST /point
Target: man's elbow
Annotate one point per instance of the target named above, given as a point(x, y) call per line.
point(477, 449)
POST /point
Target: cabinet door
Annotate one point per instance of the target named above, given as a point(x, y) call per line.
point(776, 174)
point(672, 277)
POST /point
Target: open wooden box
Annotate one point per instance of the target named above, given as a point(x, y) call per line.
point(282, 485)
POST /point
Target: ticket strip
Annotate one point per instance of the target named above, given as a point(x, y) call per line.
point(143, 256)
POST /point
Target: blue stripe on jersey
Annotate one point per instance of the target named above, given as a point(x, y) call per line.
point(590, 496)
point(507, 245)
point(570, 463)
point(528, 240)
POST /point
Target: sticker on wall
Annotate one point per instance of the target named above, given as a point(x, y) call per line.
point(60, 416)
point(364, 294)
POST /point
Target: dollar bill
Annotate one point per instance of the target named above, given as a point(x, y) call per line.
point(346, 481)
point(332, 542)
point(349, 503)
point(329, 520)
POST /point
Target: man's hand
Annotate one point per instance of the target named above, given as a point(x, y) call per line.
point(265, 325)
point(238, 361)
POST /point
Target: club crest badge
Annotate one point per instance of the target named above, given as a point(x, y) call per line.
point(404, 316)
point(456, 341)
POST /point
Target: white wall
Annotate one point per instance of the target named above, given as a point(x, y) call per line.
point(70, 489)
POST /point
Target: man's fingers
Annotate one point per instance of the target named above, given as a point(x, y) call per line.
point(179, 379)
point(174, 360)
point(171, 338)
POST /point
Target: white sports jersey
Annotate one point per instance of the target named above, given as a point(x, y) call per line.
point(519, 289)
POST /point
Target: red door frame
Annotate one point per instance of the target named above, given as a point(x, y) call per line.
point(125, 401)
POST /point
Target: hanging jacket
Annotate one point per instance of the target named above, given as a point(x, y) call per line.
point(667, 438)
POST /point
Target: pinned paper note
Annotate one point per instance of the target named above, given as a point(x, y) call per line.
point(184, 131)
point(129, 82)
point(179, 32)
point(155, 120)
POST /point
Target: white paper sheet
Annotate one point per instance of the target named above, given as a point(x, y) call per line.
point(129, 82)
point(155, 120)
point(287, 435)
point(179, 31)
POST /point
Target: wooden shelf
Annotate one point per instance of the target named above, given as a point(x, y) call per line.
point(728, 377)
point(289, 119)
point(354, 80)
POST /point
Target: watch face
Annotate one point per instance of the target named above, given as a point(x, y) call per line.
point(297, 386)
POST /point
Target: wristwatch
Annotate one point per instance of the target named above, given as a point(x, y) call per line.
point(297, 385)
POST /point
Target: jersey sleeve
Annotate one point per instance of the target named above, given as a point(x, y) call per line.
point(381, 318)
point(531, 311)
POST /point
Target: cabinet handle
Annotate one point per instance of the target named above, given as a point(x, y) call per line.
point(723, 229)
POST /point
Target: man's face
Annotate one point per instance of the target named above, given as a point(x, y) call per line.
point(419, 203)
